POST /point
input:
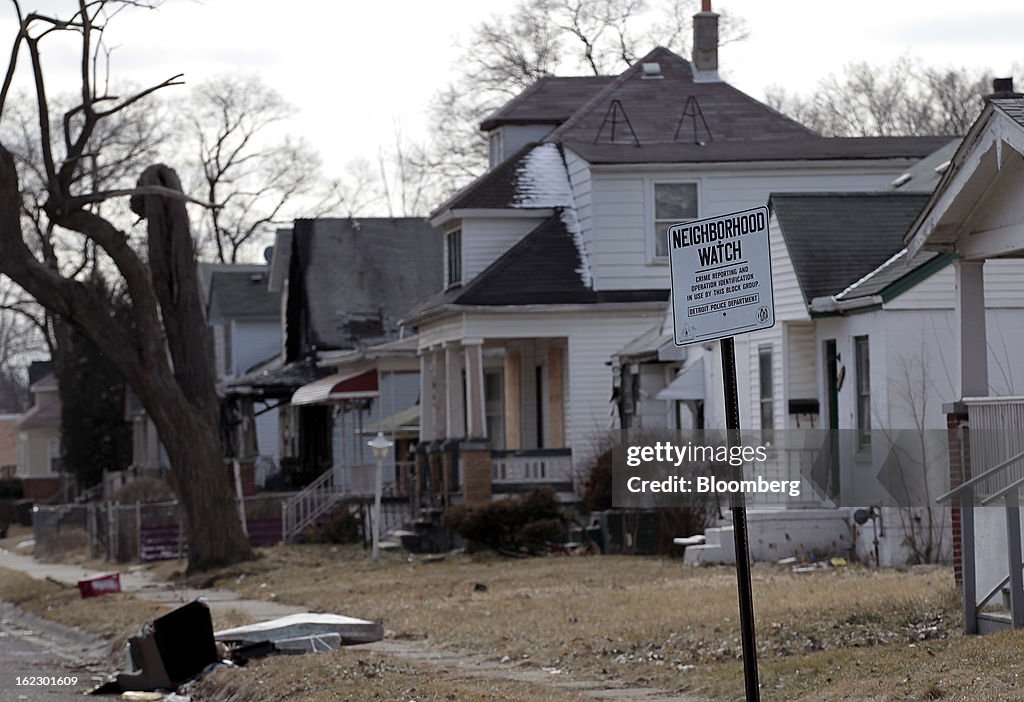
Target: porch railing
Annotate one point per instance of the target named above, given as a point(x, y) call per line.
point(992, 444)
point(532, 466)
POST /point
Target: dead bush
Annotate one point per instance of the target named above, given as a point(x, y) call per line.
point(529, 524)
point(144, 489)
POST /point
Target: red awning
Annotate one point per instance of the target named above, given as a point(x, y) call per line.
point(338, 387)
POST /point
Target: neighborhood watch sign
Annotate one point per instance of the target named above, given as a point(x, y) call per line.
point(721, 276)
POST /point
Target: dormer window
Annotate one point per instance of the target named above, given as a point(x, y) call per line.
point(496, 154)
point(673, 203)
point(453, 257)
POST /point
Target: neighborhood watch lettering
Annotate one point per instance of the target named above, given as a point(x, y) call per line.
point(720, 241)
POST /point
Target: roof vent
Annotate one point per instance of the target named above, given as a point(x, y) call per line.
point(256, 278)
point(651, 70)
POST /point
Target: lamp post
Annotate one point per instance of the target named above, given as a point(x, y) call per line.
point(380, 445)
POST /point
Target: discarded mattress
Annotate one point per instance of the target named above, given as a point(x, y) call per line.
point(299, 626)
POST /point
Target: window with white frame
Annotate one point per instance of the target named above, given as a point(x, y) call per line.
point(453, 251)
point(673, 203)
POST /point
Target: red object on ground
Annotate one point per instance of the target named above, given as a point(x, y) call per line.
point(100, 585)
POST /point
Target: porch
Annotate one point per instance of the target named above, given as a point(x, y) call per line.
point(494, 419)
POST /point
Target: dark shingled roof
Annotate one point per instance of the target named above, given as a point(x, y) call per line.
point(891, 272)
point(549, 261)
point(236, 294)
point(273, 379)
point(922, 176)
point(835, 239)
point(655, 105)
point(550, 100)
point(495, 189)
point(360, 276)
point(1011, 107)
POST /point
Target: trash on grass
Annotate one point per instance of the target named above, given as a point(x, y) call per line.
point(106, 584)
point(168, 651)
point(349, 629)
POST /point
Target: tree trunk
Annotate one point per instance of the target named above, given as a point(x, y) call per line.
point(204, 487)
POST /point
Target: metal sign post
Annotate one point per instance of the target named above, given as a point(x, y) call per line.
point(739, 531)
point(721, 286)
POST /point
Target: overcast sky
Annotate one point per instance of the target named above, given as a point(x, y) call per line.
point(354, 70)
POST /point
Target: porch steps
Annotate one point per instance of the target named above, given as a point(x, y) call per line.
point(717, 548)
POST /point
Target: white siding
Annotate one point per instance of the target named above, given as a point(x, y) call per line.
point(622, 255)
point(789, 299)
point(515, 137)
point(582, 195)
point(486, 239)
point(1004, 288)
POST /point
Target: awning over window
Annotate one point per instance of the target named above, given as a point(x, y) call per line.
point(337, 387)
point(688, 385)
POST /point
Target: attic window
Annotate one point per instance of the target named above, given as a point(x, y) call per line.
point(651, 70)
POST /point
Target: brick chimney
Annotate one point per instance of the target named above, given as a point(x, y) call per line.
point(705, 43)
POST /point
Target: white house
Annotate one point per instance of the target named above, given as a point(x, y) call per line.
point(556, 259)
point(976, 214)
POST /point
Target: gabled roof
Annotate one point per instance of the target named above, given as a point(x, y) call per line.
point(975, 165)
point(274, 379)
point(551, 100)
point(551, 260)
point(241, 293)
point(360, 276)
point(835, 239)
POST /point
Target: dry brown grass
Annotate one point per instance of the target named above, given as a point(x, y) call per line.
point(360, 676)
point(637, 619)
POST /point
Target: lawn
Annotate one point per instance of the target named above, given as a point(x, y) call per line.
point(836, 633)
point(848, 633)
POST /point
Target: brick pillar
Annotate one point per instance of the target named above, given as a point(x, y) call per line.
point(476, 473)
point(959, 470)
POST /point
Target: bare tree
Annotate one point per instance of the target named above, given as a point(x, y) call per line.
point(253, 177)
point(159, 345)
point(508, 53)
point(903, 98)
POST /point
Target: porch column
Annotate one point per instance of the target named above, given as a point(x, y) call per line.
point(426, 397)
point(970, 313)
point(439, 393)
point(476, 422)
point(556, 397)
point(453, 391)
point(512, 400)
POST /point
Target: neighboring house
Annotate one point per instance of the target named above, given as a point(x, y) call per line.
point(8, 446)
point(977, 215)
point(346, 284)
point(556, 259)
point(39, 451)
point(245, 325)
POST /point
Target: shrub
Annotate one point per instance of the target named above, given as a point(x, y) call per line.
point(597, 490)
point(341, 526)
point(526, 524)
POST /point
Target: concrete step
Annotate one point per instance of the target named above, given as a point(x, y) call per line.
point(992, 622)
point(698, 555)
